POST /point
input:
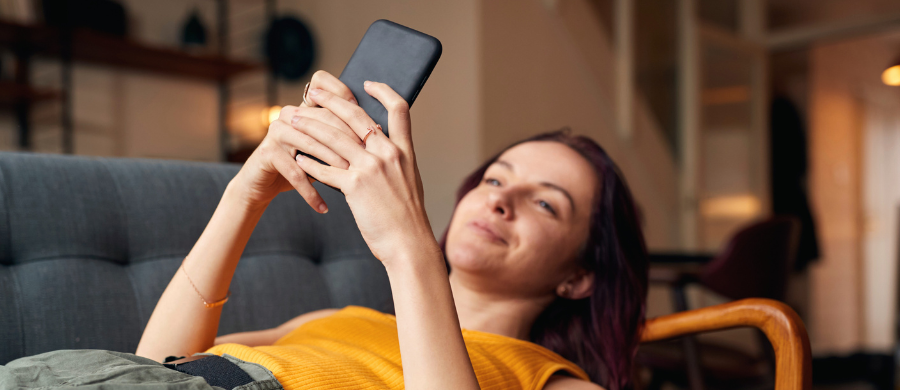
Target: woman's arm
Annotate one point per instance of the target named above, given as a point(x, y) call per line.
point(384, 192)
point(181, 324)
point(432, 349)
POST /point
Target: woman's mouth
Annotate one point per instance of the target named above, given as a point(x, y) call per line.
point(485, 230)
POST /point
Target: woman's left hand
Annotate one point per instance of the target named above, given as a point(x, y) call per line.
point(382, 184)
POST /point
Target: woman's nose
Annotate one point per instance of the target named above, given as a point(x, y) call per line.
point(499, 201)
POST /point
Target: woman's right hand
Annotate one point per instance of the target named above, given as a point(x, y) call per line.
point(271, 168)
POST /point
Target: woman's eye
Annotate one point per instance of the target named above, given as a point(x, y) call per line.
point(493, 182)
point(547, 206)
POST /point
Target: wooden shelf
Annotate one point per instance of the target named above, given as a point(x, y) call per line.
point(726, 95)
point(97, 48)
point(12, 93)
point(73, 46)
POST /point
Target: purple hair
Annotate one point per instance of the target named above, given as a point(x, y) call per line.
point(599, 333)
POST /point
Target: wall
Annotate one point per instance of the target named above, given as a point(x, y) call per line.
point(549, 64)
point(854, 126)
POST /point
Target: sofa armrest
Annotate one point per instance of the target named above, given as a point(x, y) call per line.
point(785, 330)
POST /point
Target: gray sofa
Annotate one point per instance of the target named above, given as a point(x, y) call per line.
point(87, 246)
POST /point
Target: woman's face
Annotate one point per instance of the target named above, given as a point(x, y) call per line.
point(523, 225)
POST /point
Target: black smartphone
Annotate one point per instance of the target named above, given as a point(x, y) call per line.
point(393, 54)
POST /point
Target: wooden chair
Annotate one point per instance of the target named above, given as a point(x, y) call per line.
point(782, 326)
point(756, 263)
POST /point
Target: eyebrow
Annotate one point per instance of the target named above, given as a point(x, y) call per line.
point(509, 166)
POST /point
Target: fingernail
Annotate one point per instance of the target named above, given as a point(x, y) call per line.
point(366, 84)
point(299, 158)
point(314, 91)
point(295, 119)
point(323, 208)
point(353, 100)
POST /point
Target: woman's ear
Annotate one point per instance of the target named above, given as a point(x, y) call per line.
point(579, 286)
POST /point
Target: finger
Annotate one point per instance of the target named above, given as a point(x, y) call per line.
point(353, 115)
point(330, 176)
point(299, 180)
point(324, 80)
point(398, 112)
point(323, 115)
point(327, 117)
point(345, 146)
point(291, 139)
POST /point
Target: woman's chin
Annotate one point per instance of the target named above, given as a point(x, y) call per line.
point(470, 257)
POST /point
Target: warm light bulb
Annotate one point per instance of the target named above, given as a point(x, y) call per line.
point(891, 76)
point(731, 206)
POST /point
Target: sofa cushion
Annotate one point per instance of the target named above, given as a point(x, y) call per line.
point(87, 246)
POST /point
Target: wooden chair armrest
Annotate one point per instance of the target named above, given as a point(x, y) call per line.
point(785, 330)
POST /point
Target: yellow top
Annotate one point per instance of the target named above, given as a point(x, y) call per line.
point(358, 348)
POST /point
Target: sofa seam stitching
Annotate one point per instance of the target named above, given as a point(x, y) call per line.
point(15, 281)
point(7, 208)
point(17, 294)
point(140, 312)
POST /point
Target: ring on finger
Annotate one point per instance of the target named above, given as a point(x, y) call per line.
point(371, 131)
point(305, 100)
point(368, 133)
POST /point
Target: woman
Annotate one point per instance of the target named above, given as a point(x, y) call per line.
point(543, 245)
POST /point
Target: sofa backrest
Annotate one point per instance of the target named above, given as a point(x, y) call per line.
point(87, 246)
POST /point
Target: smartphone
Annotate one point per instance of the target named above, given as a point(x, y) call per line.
point(393, 54)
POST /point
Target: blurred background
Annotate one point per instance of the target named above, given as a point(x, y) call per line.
point(760, 138)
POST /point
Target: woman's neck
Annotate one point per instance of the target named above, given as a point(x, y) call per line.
point(484, 311)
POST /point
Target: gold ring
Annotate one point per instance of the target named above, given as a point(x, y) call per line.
point(371, 131)
point(305, 100)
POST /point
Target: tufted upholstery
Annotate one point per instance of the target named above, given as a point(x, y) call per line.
point(87, 246)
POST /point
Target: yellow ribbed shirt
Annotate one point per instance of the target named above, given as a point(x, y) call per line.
point(358, 348)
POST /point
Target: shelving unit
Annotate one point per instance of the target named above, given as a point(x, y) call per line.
point(97, 48)
point(85, 46)
point(13, 93)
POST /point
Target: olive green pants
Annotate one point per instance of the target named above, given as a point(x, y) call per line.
point(106, 370)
